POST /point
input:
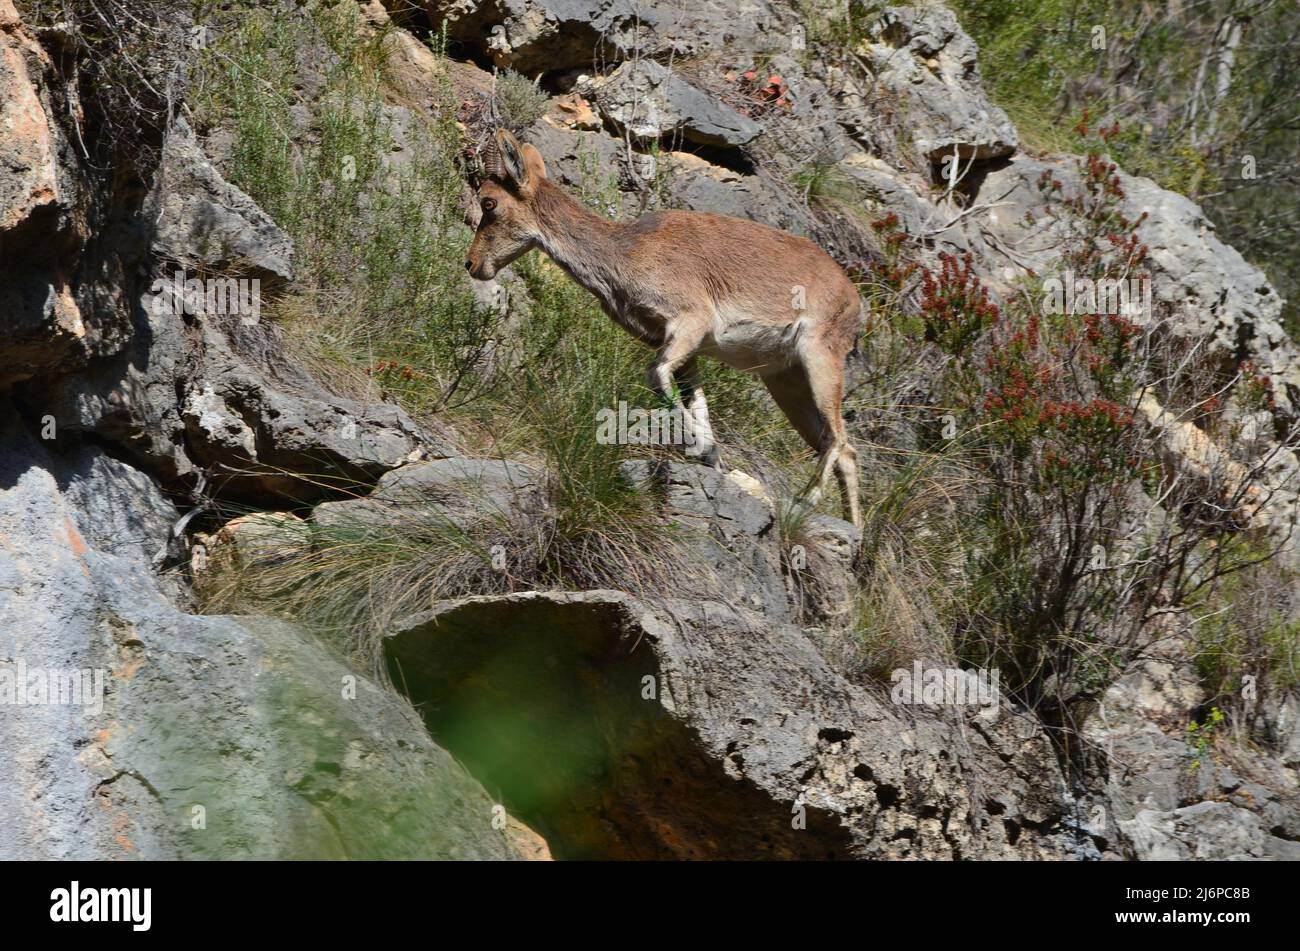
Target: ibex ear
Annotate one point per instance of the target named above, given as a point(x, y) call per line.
point(536, 164)
point(514, 169)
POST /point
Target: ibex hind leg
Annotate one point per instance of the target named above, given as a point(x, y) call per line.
point(794, 393)
point(846, 473)
point(824, 369)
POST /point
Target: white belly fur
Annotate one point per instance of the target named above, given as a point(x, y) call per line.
point(754, 346)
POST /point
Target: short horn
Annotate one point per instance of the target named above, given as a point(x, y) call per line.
point(493, 164)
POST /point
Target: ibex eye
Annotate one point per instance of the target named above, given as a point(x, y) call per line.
point(489, 204)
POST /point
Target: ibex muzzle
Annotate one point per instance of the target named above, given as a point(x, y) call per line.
point(689, 283)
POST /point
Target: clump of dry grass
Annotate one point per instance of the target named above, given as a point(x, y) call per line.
point(360, 567)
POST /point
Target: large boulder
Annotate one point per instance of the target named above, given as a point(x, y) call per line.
point(461, 489)
point(923, 57)
point(694, 729)
point(209, 737)
point(649, 101)
point(734, 542)
point(269, 434)
point(533, 36)
point(202, 221)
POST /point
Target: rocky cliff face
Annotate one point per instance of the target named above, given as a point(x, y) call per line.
point(217, 737)
point(703, 722)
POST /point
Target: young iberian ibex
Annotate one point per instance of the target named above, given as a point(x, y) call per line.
point(689, 283)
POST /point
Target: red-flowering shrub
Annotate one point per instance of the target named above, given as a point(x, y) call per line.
point(1061, 567)
point(955, 306)
point(1256, 388)
point(893, 272)
point(1105, 241)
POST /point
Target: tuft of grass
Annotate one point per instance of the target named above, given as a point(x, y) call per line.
point(838, 23)
point(350, 576)
point(825, 187)
point(386, 295)
point(1247, 630)
point(912, 563)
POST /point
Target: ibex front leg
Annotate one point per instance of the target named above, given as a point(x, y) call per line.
point(676, 359)
point(696, 418)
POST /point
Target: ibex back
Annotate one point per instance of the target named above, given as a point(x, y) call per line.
point(688, 283)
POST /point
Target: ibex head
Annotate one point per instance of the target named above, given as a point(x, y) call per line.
point(508, 226)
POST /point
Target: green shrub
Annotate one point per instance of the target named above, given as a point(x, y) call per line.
point(520, 101)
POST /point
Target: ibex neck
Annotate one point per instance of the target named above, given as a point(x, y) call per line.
point(577, 240)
